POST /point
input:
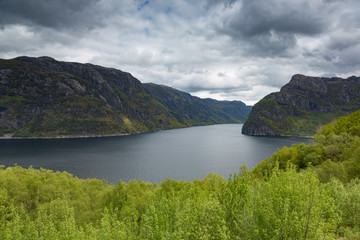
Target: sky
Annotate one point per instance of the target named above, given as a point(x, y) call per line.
point(223, 49)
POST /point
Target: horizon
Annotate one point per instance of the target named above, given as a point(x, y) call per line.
point(220, 49)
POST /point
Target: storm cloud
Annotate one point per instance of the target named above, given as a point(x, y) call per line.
point(53, 14)
point(225, 49)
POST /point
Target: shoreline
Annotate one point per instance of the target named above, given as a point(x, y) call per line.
point(10, 136)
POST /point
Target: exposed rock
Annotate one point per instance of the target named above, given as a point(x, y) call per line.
point(303, 105)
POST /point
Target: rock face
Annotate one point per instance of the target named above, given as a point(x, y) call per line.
point(303, 105)
point(45, 97)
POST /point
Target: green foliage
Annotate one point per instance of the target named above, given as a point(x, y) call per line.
point(307, 124)
point(348, 206)
point(292, 205)
point(302, 192)
point(41, 204)
point(235, 197)
point(335, 152)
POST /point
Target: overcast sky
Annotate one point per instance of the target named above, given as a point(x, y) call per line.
point(223, 49)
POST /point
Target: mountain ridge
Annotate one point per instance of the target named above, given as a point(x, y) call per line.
point(43, 97)
point(303, 105)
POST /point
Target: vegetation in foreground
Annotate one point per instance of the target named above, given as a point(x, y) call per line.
point(335, 152)
point(302, 192)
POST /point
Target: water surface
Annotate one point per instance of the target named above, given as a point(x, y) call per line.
point(180, 154)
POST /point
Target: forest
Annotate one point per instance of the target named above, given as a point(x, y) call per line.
point(301, 192)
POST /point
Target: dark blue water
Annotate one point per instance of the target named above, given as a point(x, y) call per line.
point(180, 154)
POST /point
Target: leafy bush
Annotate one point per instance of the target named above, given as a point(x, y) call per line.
point(41, 204)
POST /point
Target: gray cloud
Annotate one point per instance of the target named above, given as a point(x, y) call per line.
point(214, 3)
point(51, 13)
point(262, 16)
point(225, 49)
point(271, 28)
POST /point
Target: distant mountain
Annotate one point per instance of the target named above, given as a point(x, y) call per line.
point(42, 97)
point(190, 110)
point(303, 105)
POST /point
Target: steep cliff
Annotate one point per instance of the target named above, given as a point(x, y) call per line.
point(303, 105)
point(45, 97)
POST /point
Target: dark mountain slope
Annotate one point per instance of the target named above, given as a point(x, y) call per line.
point(236, 109)
point(45, 97)
point(303, 105)
point(190, 110)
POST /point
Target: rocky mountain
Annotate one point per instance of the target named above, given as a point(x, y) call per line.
point(303, 105)
point(44, 97)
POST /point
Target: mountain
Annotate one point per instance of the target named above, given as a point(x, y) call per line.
point(190, 110)
point(236, 109)
point(303, 105)
point(42, 97)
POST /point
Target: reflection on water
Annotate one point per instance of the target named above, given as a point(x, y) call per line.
point(180, 154)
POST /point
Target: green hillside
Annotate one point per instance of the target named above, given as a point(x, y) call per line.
point(302, 192)
point(335, 152)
